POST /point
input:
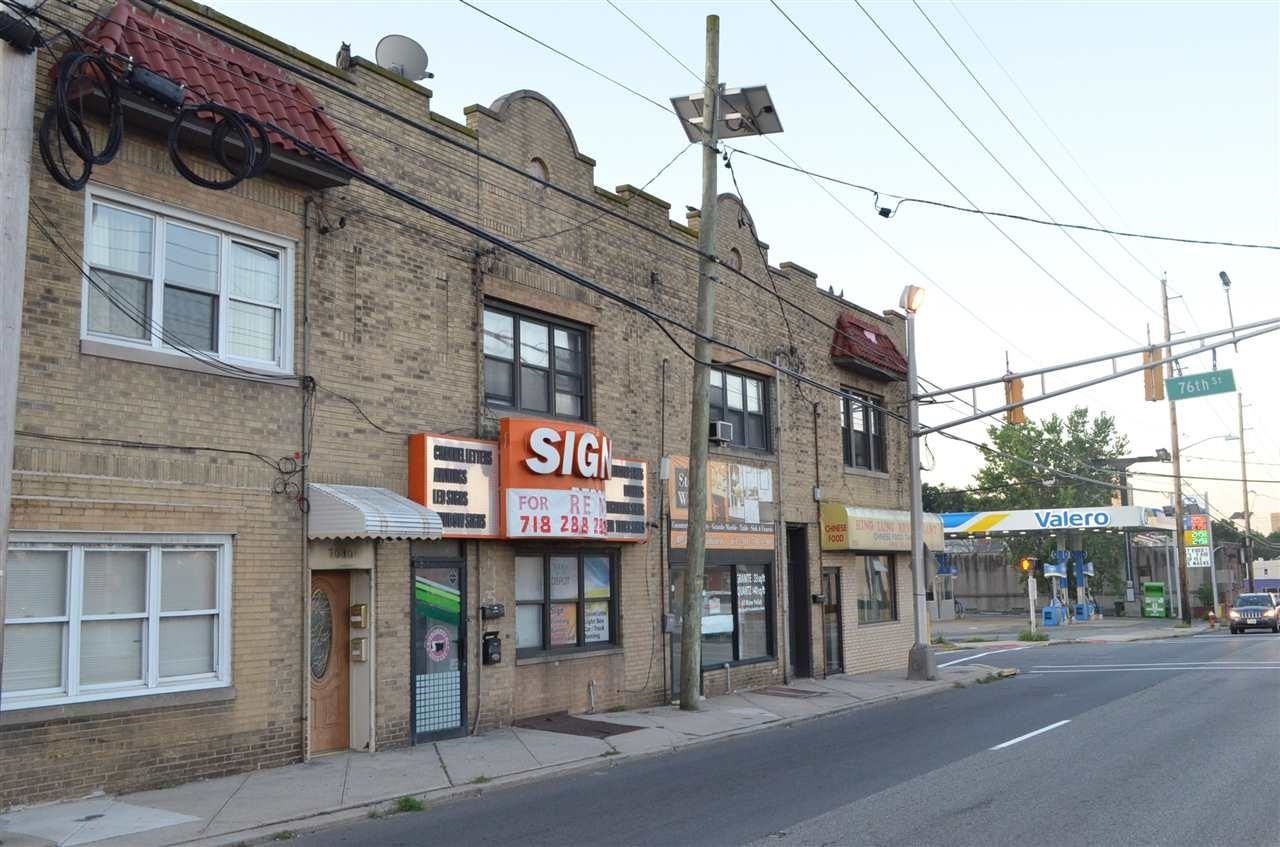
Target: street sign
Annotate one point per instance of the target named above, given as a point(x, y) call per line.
point(1200, 385)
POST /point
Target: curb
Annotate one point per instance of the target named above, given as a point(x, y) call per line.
point(321, 820)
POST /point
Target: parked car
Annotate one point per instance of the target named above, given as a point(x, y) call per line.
point(1255, 611)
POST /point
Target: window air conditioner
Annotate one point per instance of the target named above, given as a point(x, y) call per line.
point(721, 432)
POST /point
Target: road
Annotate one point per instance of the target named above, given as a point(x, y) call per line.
point(1161, 742)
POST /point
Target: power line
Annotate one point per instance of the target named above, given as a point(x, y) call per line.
point(912, 265)
point(1055, 135)
point(943, 175)
point(991, 154)
point(903, 200)
point(663, 106)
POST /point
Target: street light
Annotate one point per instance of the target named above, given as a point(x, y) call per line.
point(920, 661)
point(1230, 436)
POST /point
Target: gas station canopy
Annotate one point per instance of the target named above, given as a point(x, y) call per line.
point(1083, 519)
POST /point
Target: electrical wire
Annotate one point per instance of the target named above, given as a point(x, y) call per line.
point(591, 221)
point(1018, 246)
point(1056, 138)
point(857, 219)
point(1032, 148)
point(991, 154)
point(603, 210)
point(905, 199)
point(664, 107)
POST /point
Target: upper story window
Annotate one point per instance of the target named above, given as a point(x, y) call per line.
point(91, 616)
point(862, 432)
point(742, 401)
point(172, 281)
point(534, 364)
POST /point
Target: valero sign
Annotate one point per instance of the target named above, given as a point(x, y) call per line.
point(1049, 520)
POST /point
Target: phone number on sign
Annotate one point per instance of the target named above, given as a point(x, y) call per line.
point(569, 525)
point(556, 514)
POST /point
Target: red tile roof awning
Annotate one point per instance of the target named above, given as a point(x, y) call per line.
point(224, 74)
point(866, 348)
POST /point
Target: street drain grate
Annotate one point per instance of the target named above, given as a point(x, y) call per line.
point(565, 723)
point(783, 691)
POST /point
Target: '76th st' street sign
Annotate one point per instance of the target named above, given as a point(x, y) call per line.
point(1199, 385)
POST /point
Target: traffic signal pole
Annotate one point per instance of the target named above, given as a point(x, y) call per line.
point(1180, 541)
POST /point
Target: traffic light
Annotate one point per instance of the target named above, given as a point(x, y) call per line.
point(1152, 379)
point(1013, 397)
point(1026, 564)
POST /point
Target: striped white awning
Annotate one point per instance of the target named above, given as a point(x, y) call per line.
point(362, 511)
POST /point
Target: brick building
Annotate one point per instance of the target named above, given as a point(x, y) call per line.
point(294, 469)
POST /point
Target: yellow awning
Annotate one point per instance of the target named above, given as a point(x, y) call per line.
point(874, 530)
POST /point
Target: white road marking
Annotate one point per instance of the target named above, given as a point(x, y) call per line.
point(979, 656)
point(1161, 664)
point(1013, 741)
point(1160, 668)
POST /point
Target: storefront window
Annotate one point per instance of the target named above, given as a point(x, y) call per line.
point(878, 600)
point(564, 601)
point(735, 613)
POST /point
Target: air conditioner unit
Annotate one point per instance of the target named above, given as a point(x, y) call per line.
point(721, 432)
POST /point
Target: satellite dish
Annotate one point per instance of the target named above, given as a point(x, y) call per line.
point(401, 55)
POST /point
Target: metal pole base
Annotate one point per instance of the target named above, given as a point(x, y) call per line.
point(920, 663)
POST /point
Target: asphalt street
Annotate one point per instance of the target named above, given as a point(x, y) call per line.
point(1161, 742)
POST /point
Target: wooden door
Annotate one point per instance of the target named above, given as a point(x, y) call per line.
point(330, 661)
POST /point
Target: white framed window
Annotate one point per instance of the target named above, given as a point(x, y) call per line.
point(168, 280)
point(95, 616)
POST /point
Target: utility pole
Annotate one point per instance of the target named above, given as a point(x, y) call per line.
point(1247, 554)
point(17, 107)
point(699, 435)
point(1180, 542)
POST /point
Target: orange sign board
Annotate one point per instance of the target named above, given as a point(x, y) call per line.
point(553, 476)
point(740, 505)
point(458, 479)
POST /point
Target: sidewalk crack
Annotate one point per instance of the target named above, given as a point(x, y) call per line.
point(443, 766)
point(225, 803)
point(346, 772)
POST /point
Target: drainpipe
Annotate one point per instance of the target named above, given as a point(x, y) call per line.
point(780, 534)
point(308, 244)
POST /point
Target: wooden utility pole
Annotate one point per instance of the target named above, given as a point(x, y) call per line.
point(1247, 554)
point(17, 110)
point(699, 435)
point(1180, 542)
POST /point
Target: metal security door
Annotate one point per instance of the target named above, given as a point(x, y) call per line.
point(439, 651)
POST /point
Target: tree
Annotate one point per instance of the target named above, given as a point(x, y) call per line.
point(940, 498)
point(1049, 464)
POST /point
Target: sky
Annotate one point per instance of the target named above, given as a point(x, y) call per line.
point(1160, 117)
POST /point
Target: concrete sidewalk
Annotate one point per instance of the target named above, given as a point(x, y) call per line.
point(991, 631)
point(330, 789)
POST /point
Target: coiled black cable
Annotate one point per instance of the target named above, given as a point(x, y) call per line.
point(63, 122)
point(256, 151)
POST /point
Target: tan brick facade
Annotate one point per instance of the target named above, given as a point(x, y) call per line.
point(394, 302)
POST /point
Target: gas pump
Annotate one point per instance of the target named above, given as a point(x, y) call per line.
point(1055, 611)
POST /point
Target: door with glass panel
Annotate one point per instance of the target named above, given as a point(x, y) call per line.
point(439, 650)
point(831, 636)
point(330, 668)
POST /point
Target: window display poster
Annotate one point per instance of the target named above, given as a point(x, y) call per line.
point(564, 624)
point(740, 505)
point(596, 621)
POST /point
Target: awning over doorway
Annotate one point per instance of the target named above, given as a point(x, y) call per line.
point(889, 530)
point(361, 511)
